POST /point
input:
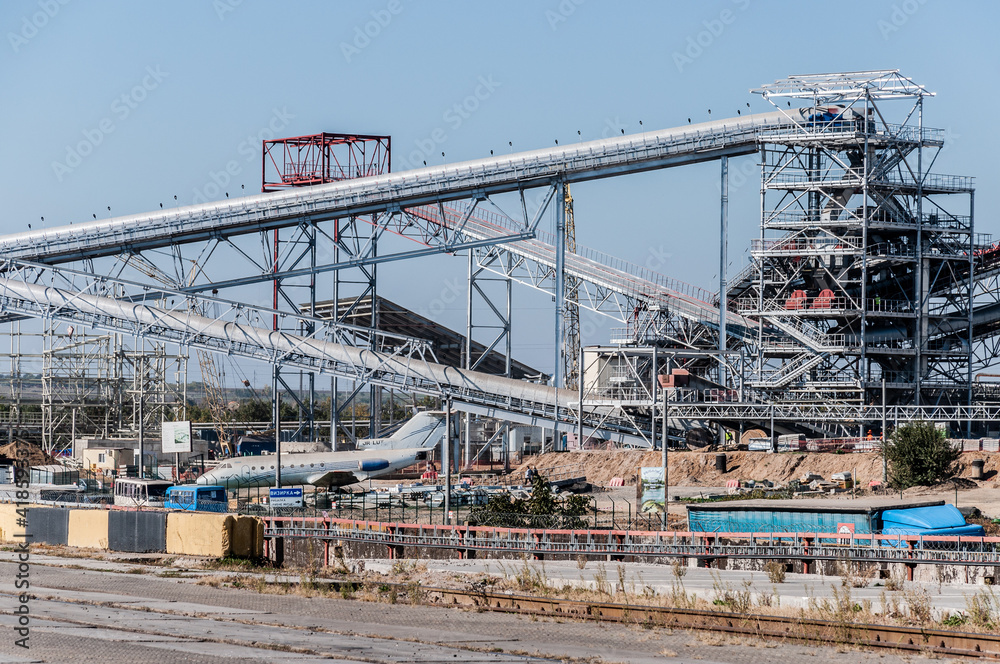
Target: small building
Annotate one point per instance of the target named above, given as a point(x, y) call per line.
point(88, 450)
point(53, 474)
point(824, 515)
point(106, 459)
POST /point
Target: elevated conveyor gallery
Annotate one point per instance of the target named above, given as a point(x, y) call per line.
point(471, 391)
point(796, 347)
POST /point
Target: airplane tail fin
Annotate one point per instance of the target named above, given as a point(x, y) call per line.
point(423, 430)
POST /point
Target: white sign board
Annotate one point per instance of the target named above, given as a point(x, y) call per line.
point(285, 497)
point(653, 494)
point(176, 437)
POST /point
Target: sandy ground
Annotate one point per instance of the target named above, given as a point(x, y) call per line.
point(694, 473)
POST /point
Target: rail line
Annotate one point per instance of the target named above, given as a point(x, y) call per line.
point(915, 639)
point(867, 635)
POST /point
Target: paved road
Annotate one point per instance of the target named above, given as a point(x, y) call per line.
point(98, 612)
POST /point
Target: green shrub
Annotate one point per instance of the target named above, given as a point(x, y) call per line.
point(919, 455)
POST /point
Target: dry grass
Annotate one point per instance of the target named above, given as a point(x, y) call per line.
point(775, 571)
point(408, 582)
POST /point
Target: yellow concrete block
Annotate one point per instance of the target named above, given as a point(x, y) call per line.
point(248, 537)
point(88, 529)
point(9, 530)
point(200, 534)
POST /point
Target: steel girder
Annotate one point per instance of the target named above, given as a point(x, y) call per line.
point(846, 414)
point(394, 367)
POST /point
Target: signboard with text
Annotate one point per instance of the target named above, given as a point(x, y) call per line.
point(176, 437)
point(285, 497)
point(652, 498)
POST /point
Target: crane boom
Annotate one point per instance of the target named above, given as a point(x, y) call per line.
point(571, 310)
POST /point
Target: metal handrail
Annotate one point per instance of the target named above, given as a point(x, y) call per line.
point(784, 545)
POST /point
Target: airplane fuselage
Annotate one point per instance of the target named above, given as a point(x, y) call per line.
point(316, 468)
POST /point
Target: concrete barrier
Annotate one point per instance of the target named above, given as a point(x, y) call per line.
point(137, 532)
point(9, 530)
point(216, 535)
point(196, 534)
point(88, 529)
point(200, 534)
point(248, 537)
point(48, 525)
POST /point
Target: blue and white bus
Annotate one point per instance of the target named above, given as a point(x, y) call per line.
point(197, 498)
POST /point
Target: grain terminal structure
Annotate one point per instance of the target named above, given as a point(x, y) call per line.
point(868, 274)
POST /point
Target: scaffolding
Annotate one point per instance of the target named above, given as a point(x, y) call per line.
point(92, 385)
point(863, 273)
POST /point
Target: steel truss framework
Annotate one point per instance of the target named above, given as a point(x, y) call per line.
point(472, 392)
point(854, 415)
point(307, 161)
point(863, 272)
point(892, 254)
point(93, 385)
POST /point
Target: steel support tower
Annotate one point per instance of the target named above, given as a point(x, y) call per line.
point(313, 160)
point(863, 269)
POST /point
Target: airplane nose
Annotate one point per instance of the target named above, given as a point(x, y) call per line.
point(203, 479)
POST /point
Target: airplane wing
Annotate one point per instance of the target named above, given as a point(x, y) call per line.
point(332, 478)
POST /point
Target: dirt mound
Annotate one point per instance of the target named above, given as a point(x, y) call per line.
point(36, 457)
point(698, 468)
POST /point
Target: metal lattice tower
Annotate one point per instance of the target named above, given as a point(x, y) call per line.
point(213, 379)
point(863, 269)
point(303, 161)
point(571, 310)
point(92, 385)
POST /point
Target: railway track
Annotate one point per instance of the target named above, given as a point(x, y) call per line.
point(827, 632)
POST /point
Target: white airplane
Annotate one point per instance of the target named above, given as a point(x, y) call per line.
point(422, 430)
point(329, 469)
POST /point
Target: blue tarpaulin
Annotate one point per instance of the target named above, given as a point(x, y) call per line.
point(936, 520)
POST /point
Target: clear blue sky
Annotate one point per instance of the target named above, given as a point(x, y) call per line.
point(211, 75)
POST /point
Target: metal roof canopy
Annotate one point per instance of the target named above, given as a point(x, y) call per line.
point(448, 344)
point(845, 86)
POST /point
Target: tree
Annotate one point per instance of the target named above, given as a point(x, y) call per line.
point(539, 510)
point(254, 410)
point(919, 455)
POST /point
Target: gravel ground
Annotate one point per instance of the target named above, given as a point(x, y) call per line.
point(170, 620)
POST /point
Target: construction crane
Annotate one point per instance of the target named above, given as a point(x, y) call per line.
point(215, 397)
point(571, 310)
